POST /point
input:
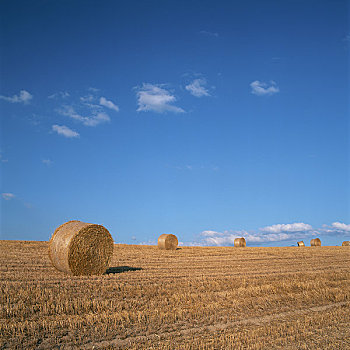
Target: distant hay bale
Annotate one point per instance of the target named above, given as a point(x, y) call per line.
point(316, 242)
point(167, 241)
point(301, 244)
point(346, 244)
point(239, 242)
point(79, 248)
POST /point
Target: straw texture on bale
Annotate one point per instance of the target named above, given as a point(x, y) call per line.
point(316, 242)
point(346, 243)
point(167, 241)
point(301, 244)
point(239, 242)
point(79, 248)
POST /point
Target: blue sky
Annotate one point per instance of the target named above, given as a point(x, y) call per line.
point(207, 119)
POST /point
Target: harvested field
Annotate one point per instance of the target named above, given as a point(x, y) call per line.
point(191, 298)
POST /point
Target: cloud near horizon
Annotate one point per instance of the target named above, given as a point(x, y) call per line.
point(155, 98)
point(23, 97)
point(261, 89)
point(274, 233)
point(64, 131)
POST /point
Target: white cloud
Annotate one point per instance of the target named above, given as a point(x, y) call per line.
point(154, 98)
point(2, 159)
point(274, 233)
point(295, 227)
point(205, 32)
point(96, 118)
point(86, 99)
point(227, 238)
point(198, 88)
point(60, 94)
point(347, 38)
point(65, 131)
point(93, 89)
point(261, 88)
point(8, 196)
point(341, 226)
point(47, 162)
point(109, 104)
point(23, 97)
point(210, 233)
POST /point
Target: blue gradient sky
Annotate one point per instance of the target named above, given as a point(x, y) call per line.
point(206, 119)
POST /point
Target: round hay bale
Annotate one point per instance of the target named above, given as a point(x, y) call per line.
point(316, 242)
point(239, 242)
point(79, 248)
point(167, 241)
point(346, 244)
point(301, 244)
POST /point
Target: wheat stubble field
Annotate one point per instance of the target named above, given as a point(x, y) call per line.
point(192, 298)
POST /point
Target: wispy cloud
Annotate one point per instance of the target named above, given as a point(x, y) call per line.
point(7, 196)
point(96, 118)
point(196, 167)
point(225, 238)
point(93, 89)
point(337, 228)
point(23, 97)
point(273, 233)
point(198, 87)
point(295, 227)
point(109, 104)
point(208, 33)
point(155, 98)
point(87, 99)
point(261, 89)
point(47, 162)
point(2, 159)
point(60, 94)
point(64, 131)
point(341, 226)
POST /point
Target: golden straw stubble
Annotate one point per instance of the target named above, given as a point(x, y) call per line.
point(316, 242)
point(80, 248)
point(239, 242)
point(167, 241)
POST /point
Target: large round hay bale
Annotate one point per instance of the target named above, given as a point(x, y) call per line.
point(316, 242)
point(346, 243)
point(79, 248)
point(301, 244)
point(167, 241)
point(239, 242)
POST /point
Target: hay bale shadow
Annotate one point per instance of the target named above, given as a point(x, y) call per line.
point(121, 269)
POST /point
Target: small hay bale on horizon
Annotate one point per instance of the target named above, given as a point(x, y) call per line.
point(316, 242)
point(79, 248)
point(167, 241)
point(346, 244)
point(239, 242)
point(301, 244)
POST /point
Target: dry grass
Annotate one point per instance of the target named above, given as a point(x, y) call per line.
point(192, 298)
